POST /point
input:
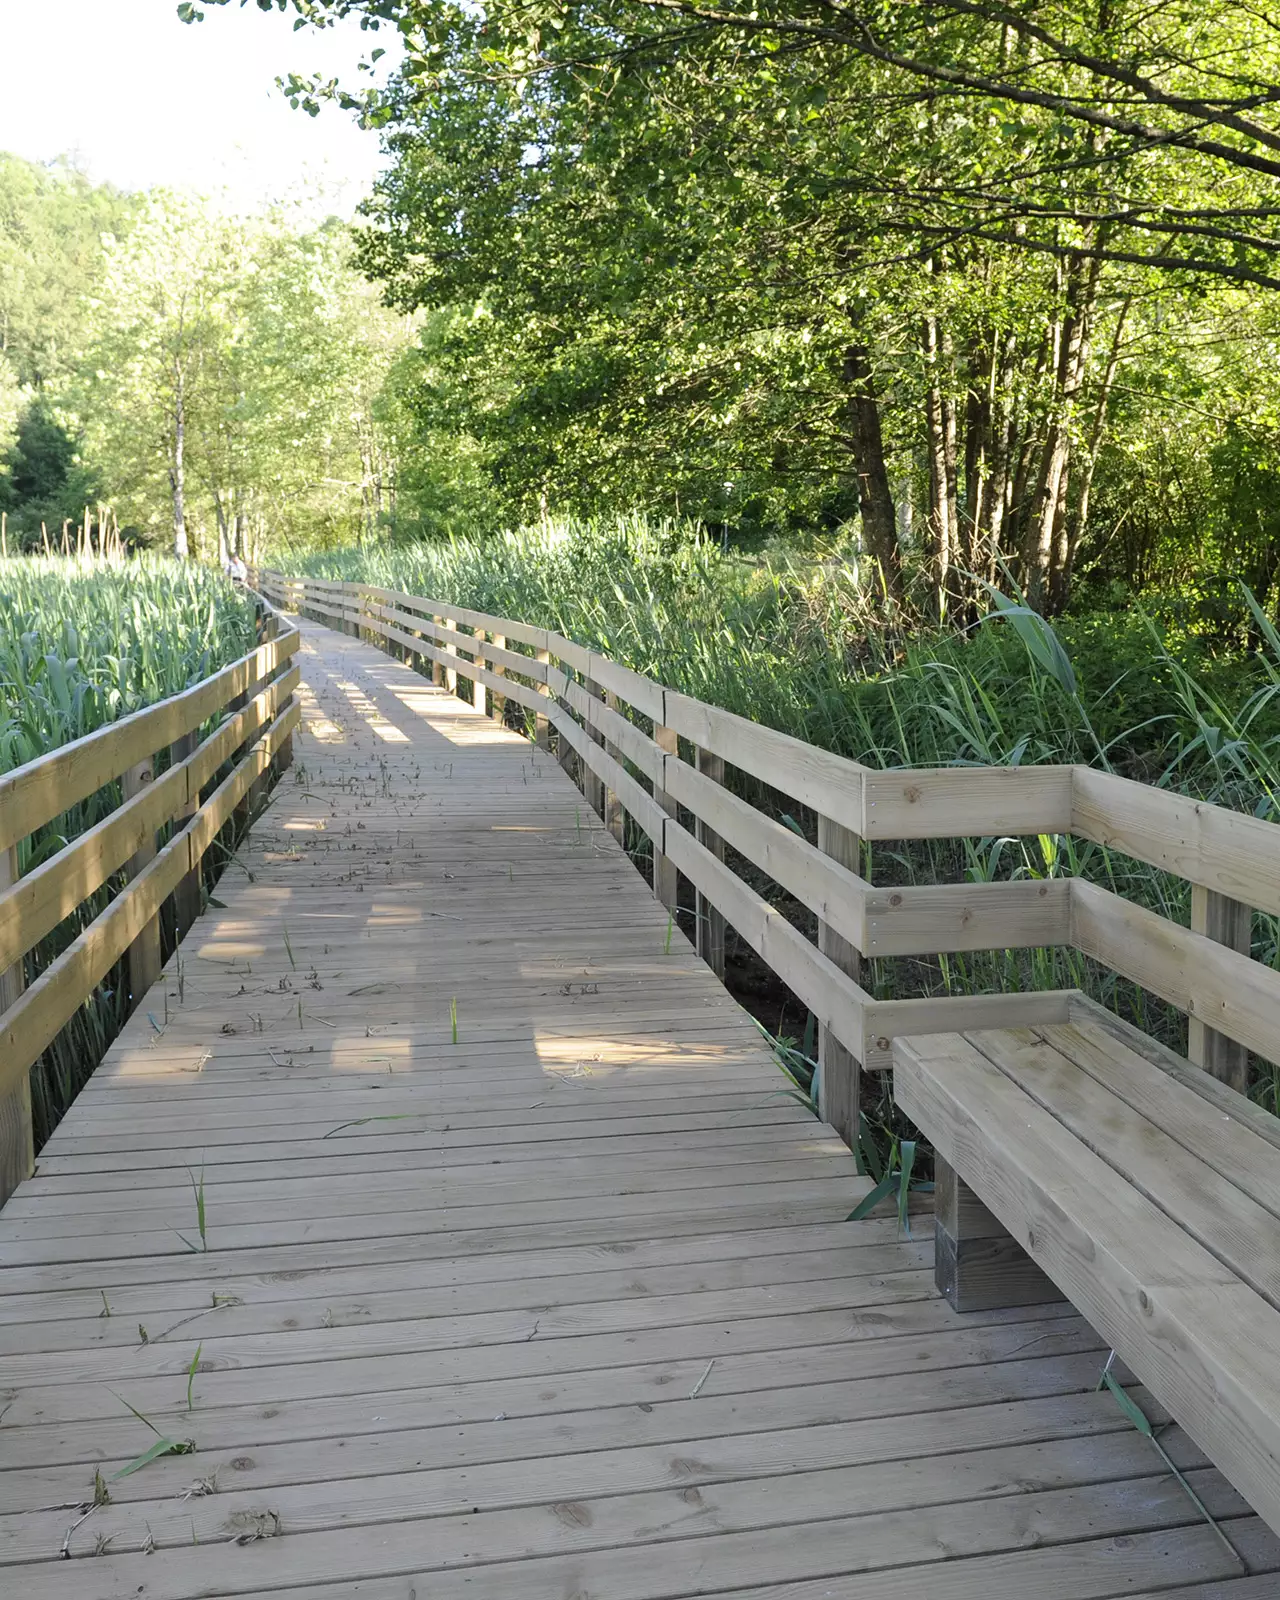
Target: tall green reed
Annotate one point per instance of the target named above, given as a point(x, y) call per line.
point(82, 643)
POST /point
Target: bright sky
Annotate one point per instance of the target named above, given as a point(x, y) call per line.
point(140, 98)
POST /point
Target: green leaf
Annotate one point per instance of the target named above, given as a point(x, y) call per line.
point(1138, 1418)
point(1265, 625)
point(907, 1152)
point(1129, 1406)
point(1043, 645)
point(869, 1202)
point(191, 1373)
point(162, 1447)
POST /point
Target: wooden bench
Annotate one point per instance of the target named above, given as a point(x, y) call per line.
point(1084, 1159)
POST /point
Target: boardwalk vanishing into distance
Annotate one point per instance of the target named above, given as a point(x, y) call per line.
point(451, 1225)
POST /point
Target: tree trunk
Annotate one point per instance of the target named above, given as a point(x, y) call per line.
point(940, 429)
point(875, 498)
point(177, 471)
point(1044, 540)
point(1003, 434)
point(978, 405)
point(1078, 519)
point(224, 537)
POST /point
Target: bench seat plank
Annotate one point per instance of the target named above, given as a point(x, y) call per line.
point(1202, 1340)
point(1214, 1123)
point(1231, 1225)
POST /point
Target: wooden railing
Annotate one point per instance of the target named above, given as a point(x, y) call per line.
point(243, 714)
point(664, 764)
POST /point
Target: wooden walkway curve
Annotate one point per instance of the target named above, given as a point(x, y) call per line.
point(517, 1276)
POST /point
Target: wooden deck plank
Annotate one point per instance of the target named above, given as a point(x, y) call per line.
point(524, 1277)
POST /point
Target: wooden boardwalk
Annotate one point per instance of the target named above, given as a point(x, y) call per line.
point(520, 1276)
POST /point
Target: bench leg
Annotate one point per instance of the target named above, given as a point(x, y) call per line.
point(978, 1264)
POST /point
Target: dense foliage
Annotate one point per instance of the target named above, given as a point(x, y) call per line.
point(210, 376)
point(993, 285)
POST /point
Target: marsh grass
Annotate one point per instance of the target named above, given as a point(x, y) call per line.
point(82, 643)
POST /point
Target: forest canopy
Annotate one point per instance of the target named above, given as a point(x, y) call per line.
point(211, 376)
point(989, 288)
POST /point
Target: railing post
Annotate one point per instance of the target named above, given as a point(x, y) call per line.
point(17, 1138)
point(1230, 923)
point(186, 897)
point(144, 952)
point(541, 723)
point(666, 880)
point(711, 924)
point(260, 785)
point(498, 702)
point(451, 673)
point(593, 786)
point(437, 671)
point(243, 812)
point(839, 1071)
point(284, 752)
point(614, 815)
point(477, 688)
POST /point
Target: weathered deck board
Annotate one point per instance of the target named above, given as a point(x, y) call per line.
point(556, 1301)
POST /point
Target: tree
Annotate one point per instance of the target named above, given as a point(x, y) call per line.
point(1138, 133)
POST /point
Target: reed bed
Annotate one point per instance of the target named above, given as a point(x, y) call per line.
point(82, 642)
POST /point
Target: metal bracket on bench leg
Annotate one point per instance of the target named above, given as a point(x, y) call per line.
point(978, 1264)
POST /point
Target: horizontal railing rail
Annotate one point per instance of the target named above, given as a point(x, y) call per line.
point(669, 756)
point(244, 714)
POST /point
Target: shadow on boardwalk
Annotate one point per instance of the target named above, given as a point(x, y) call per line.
point(521, 1278)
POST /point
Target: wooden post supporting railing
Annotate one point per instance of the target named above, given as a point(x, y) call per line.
point(269, 629)
point(593, 786)
point(711, 923)
point(17, 1139)
point(541, 723)
point(451, 673)
point(839, 1071)
point(144, 952)
point(437, 671)
point(498, 702)
point(477, 688)
point(1227, 922)
point(666, 880)
point(186, 897)
point(614, 816)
